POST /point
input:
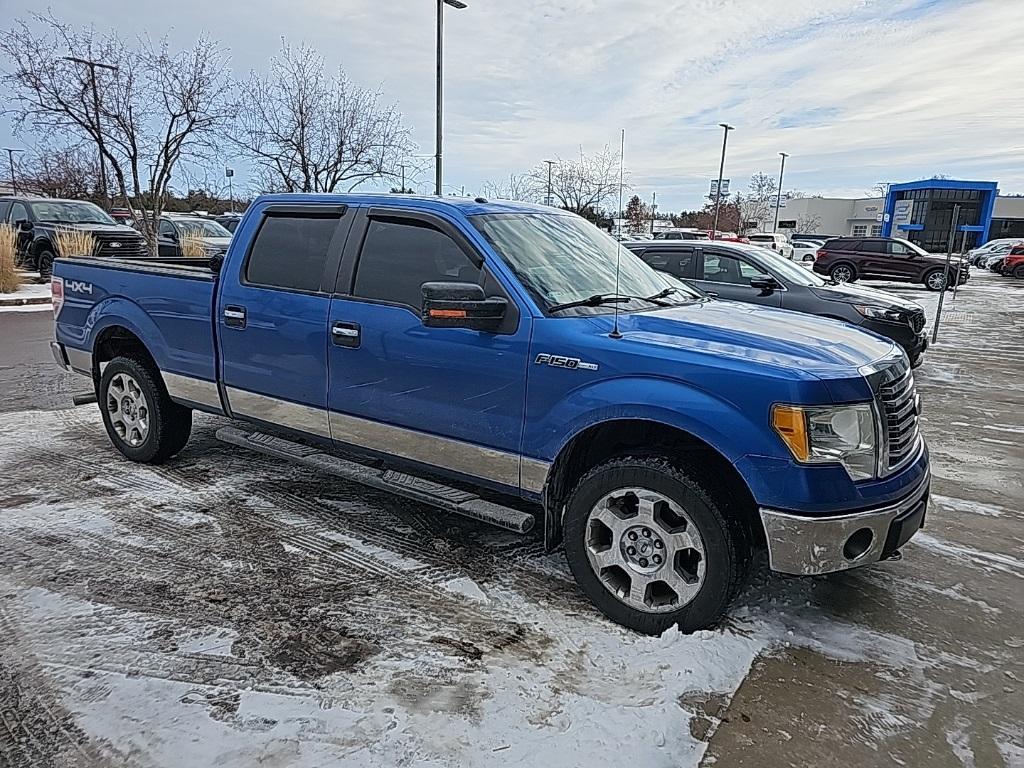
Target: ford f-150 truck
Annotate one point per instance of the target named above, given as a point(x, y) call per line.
point(512, 363)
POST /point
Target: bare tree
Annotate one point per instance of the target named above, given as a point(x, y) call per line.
point(308, 131)
point(60, 172)
point(583, 186)
point(158, 108)
point(521, 187)
point(808, 222)
point(879, 189)
point(758, 203)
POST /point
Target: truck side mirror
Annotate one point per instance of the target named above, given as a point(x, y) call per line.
point(461, 305)
point(216, 263)
point(25, 225)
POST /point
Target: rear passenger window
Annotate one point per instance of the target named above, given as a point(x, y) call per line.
point(398, 256)
point(291, 252)
point(873, 246)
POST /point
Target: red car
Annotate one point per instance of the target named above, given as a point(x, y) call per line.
point(1013, 264)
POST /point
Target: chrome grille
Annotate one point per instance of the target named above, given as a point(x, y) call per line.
point(120, 246)
point(900, 405)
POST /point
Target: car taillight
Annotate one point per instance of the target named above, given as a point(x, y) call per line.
point(57, 289)
point(818, 254)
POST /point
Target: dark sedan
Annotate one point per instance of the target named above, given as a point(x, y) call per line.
point(759, 276)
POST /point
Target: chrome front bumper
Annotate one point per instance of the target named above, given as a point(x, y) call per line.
point(813, 545)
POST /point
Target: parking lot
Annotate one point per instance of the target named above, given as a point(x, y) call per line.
point(228, 609)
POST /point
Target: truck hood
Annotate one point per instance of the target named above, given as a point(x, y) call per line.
point(220, 243)
point(96, 229)
point(762, 334)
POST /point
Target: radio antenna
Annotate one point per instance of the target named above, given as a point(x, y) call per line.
point(618, 250)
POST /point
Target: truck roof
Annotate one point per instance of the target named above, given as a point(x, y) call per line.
point(468, 206)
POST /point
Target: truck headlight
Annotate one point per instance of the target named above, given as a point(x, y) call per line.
point(880, 313)
point(843, 434)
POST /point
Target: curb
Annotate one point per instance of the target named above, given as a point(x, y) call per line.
point(24, 302)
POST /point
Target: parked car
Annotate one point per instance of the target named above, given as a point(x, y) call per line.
point(38, 219)
point(229, 221)
point(174, 228)
point(805, 250)
point(659, 435)
point(978, 256)
point(1013, 264)
point(995, 262)
point(845, 259)
point(680, 234)
point(756, 275)
point(774, 240)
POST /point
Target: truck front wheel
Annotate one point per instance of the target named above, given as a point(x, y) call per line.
point(141, 420)
point(650, 547)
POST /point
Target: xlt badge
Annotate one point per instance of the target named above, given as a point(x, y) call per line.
point(558, 361)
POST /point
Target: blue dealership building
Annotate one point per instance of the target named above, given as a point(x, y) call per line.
point(918, 211)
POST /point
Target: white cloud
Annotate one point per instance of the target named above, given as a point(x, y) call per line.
point(856, 91)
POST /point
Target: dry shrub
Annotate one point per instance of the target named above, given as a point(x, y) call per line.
point(73, 242)
point(9, 277)
point(192, 247)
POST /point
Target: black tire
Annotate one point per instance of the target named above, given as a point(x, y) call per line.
point(168, 424)
point(1018, 272)
point(44, 264)
point(725, 544)
point(841, 268)
point(931, 280)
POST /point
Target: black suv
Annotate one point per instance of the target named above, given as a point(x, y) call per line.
point(38, 219)
point(845, 259)
point(756, 275)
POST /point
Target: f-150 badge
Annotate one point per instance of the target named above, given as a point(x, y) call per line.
point(558, 361)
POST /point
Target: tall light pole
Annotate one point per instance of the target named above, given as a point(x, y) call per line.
point(778, 197)
point(721, 170)
point(95, 105)
point(458, 4)
point(230, 173)
point(10, 157)
point(549, 200)
point(654, 206)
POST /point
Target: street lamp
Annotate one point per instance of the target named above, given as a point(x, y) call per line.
point(654, 208)
point(230, 173)
point(96, 106)
point(721, 170)
point(549, 200)
point(778, 197)
point(457, 4)
point(10, 156)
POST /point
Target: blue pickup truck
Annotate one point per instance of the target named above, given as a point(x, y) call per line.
point(512, 363)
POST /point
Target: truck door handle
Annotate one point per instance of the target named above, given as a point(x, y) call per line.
point(345, 335)
point(234, 317)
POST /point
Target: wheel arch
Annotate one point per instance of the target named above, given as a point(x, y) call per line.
point(612, 438)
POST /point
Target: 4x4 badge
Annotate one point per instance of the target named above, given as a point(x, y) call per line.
point(558, 361)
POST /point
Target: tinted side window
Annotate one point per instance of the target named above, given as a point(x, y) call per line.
point(842, 244)
point(723, 268)
point(166, 228)
point(5, 206)
point(872, 246)
point(18, 213)
point(674, 261)
point(398, 257)
point(291, 252)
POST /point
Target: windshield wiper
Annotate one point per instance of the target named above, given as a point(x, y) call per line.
point(662, 294)
point(607, 298)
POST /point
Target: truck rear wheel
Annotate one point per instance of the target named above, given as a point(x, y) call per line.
point(141, 420)
point(650, 547)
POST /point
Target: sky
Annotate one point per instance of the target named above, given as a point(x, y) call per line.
point(856, 91)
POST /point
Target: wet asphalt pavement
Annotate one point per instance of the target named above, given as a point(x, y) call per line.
point(226, 609)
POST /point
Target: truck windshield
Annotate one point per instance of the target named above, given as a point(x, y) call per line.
point(561, 258)
point(70, 213)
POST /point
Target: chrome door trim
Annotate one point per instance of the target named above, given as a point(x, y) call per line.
point(193, 390)
point(302, 418)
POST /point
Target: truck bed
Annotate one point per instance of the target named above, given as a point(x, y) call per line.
point(157, 298)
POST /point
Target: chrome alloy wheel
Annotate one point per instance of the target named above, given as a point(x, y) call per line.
point(645, 549)
point(842, 274)
point(937, 281)
point(128, 409)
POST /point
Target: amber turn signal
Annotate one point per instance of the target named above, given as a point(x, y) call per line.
point(791, 424)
